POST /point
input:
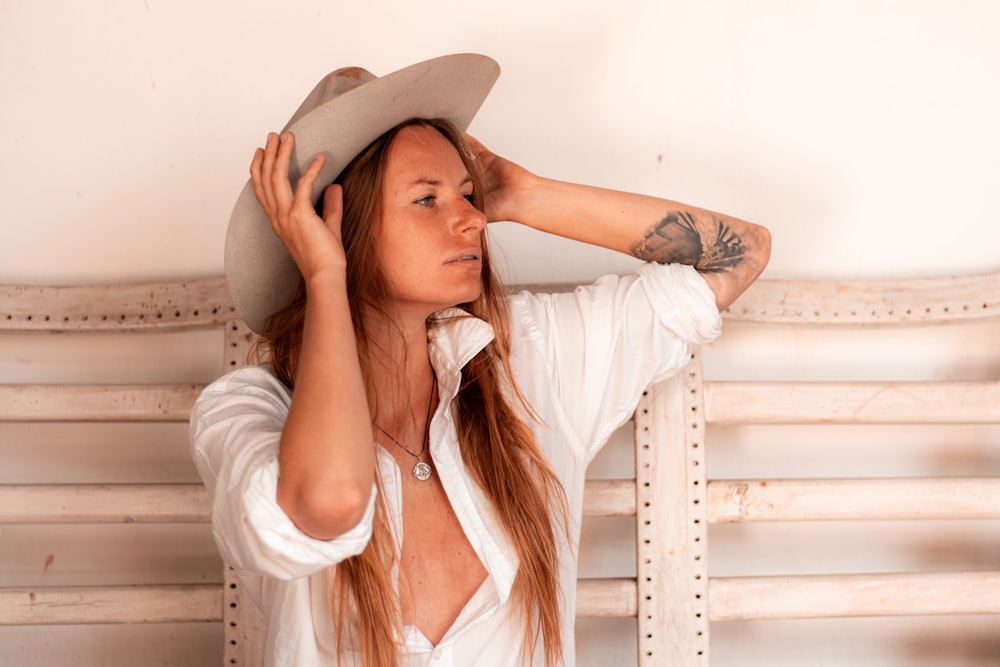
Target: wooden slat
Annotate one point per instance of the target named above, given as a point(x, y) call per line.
point(97, 403)
point(609, 497)
point(852, 402)
point(115, 307)
point(853, 499)
point(103, 503)
point(606, 598)
point(203, 603)
point(128, 503)
point(731, 598)
point(829, 596)
point(206, 302)
point(869, 302)
point(111, 604)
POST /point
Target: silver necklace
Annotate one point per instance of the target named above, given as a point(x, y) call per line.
point(421, 470)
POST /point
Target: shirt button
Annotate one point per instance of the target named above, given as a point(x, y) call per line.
point(436, 654)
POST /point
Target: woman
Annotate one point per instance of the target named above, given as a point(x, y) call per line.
point(402, 478)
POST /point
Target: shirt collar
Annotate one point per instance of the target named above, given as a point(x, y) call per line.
point(456, 337)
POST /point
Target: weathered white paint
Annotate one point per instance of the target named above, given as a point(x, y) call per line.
point(897, 594)
point(672, 596)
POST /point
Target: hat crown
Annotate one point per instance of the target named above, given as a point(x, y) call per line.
point(334, 84)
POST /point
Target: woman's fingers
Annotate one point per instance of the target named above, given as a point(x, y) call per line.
point(333, 207)
point(313, 243)
point(278, 176)
point(271, 185)
point(256, 167)
point(503, 182)
point(304, 188)
point(262, 174)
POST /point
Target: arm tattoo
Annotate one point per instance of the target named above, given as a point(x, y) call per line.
point(676, 238)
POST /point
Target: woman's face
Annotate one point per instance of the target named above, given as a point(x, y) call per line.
point(429, 244)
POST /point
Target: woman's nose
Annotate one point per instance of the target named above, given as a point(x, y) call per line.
point(468, 218)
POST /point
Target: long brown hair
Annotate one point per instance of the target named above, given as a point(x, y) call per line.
point(496, 445)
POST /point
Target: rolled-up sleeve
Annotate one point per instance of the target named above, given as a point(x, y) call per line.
point(603, 344)
point(235, 431)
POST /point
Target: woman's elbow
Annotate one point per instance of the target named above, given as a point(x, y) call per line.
point(764, 245)
point(730, 284)
point(761, 249)
point(326, 511)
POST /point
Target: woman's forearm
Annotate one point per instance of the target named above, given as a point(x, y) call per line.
point(327, 453)
point(730, 253)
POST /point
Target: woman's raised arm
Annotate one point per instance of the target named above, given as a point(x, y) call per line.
point(730, 253)
point(327, 456)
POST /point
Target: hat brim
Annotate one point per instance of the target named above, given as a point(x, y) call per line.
point(261, 274)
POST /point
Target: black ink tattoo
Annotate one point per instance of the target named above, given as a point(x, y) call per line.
point(676, 238)
point(673, 239)
point(726, 253)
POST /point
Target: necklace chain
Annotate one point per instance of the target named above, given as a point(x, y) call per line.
point(421, 470)
point(401, 445)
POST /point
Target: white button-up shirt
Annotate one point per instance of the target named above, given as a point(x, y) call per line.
point(581, 359)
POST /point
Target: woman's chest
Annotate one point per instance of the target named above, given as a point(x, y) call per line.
point(439, 568)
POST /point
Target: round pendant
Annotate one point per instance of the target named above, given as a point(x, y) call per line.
point(422, 471)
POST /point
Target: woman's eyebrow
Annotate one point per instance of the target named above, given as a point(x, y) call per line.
point(435, 182)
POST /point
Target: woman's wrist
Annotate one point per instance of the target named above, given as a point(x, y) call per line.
point(525, 199)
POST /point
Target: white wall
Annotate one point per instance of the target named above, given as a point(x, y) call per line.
point(863, 134)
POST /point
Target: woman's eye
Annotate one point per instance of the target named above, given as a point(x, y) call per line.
point(426, 201)
point(471, 198)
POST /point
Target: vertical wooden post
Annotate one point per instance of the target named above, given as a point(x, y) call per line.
point(672, 522)
point(243, 623)
point(238, 341)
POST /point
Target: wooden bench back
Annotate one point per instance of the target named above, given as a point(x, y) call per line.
point(674, 500)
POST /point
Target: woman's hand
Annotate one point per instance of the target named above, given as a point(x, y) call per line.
point(313, 242)
point(506, 183)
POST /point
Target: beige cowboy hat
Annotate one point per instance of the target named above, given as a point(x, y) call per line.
point(345, 112)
